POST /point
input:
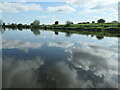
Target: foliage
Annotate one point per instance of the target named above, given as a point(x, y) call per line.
point(115, 22)
point(35, 23)
point(93, 21)
point(56, 22)
point(68, 23)
point(101, 21)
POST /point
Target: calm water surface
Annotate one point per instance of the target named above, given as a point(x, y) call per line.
point(48, 59)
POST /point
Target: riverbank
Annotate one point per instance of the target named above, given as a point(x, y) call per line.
point(101, 29)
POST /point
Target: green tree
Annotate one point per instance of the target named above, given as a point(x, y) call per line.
point(13, 25)
point(101, 21)
point(68, 23)
point(19, 25)
point(35, 23)
point(93, 21)
point(114, 21)
point(56, 22)
point(3, 25)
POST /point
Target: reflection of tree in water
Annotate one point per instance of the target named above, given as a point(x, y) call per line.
point(49, 76)
point(20, 29)
point(99, 37)
point(68, 34)
point(92, 35)
point(56, 33)
point(35, 31)
point(2, 30)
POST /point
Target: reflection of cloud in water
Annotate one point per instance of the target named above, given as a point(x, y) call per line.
point(92, 66)
point(37, 74)
point(20, 73)
point(60, 75)
point(61, 44)
point(100, 60)
point(11, 44)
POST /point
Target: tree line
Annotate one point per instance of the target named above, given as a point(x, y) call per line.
point(36, 24)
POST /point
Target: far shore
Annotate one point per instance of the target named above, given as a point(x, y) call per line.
point(101, 29)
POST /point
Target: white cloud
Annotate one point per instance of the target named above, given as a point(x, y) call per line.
point(95, 5)
point(61, 44)
point(25, 46)
point(18, 7)
point(61, 9)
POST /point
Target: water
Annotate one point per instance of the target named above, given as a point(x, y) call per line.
point(48, 59)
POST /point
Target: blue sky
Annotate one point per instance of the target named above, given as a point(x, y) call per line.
point(48, 12)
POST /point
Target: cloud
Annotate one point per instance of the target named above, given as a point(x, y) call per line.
point(25, 46)
point(94, 6)
point(19, 7)
point(61, 44)
point(61, 9)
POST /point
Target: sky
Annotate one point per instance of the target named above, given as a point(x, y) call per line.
point(49, 11)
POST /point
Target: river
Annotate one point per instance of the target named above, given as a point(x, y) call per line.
point(48, 59)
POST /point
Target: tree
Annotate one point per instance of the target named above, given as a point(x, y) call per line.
point(13, 25)
point(93, 21)
point(68, 23)
point(114, 21)
point(87, 22)
point(101, 21)
point(19, 25)
point(3, 25)
point(56, 22)
point(36, 23)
